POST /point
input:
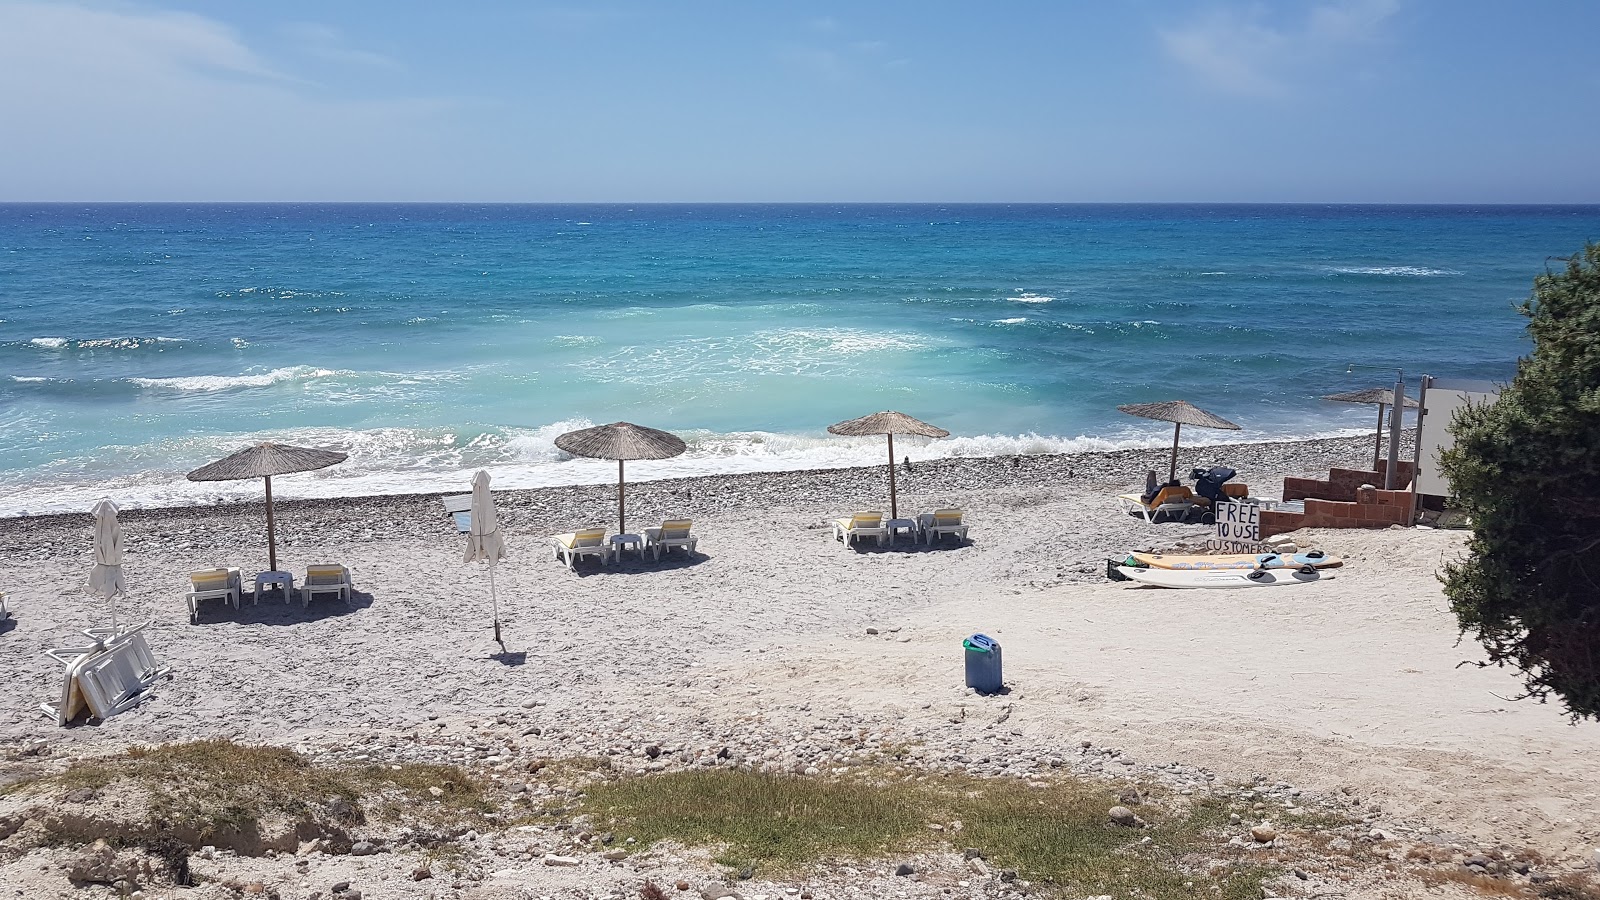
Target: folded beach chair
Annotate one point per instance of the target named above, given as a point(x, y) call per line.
point(459, 508)
point(862, 524)
point(587, 542)
point(330, 579)
point(213, 584)
point(107, 677)
point(941, 522)
point(1170, 500)
point(672, 533)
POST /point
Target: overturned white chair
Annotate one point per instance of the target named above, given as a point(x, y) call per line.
point(860, 525)
point(110, 676)
point(584, 542)
point(940, 522)
point(213, 584)
point(672, 533)
point(329, 579)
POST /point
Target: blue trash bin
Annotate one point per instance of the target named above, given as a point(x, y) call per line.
point(983, 664)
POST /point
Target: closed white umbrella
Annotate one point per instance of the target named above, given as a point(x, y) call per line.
point(484, 540)
point(105, 576)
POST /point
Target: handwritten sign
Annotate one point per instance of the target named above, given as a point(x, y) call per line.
point(1239, 523)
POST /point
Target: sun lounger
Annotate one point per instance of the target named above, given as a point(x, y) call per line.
point(1170, 500)
point(459, 508)
point(107, 677)
point(330, 579)
point(587, 542)
point(862, 524)
point(672, 533)
point(941, 522)
point(212, 584)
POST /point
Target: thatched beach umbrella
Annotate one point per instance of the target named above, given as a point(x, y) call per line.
point(1384, 397)
point(105, 576)
point(621, 441)
point(263, 461)
point(1179, 413)
point(888, 423)
point(484, 540)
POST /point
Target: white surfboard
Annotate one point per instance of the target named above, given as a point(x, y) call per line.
point(1222, 578)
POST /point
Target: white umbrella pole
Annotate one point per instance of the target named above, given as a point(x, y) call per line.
point(494, 603)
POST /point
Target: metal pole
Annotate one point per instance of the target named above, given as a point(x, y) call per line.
point(1172, 473)
point(272, 535)
point(495, 604)
point(622, 518)
point(1395, 410)
point(894, 509)
point(1377, 438)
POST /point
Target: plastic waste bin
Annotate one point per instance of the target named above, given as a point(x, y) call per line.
point(983, 664)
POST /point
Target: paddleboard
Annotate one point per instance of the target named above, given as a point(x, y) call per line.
point(1222, 578)
point(1314, 558)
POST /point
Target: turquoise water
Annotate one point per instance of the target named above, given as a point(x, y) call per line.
point(139, 341)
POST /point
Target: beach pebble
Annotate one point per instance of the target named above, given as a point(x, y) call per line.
point(904, 869)
point(1264, 834)
point(553, 859)
point(1123, 816)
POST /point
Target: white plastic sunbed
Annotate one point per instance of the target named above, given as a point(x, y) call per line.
point(212, 584)
point(330, 579)
point(585, 542)
point(862, 524)
point(940, 522)
point(672, 533)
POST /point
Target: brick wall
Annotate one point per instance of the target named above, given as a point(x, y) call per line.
point(1342, 484)
point(1368, 507)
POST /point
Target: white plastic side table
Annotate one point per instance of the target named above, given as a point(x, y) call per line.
point(282, 580)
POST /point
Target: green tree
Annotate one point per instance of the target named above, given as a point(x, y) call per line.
point(1527, 469)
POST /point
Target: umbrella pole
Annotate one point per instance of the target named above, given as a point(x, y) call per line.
point(1172, 473)
point(894, 509)
point(622, 516)
point(272, 535)
point(1377, 439)
point(494, 603)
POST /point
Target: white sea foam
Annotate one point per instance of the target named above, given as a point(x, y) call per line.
point(412, 461)
point(231, 382)
point(29, 379)
point(1030, 297)
point(1017, 320)
point(1403, 271)
point(49, 343)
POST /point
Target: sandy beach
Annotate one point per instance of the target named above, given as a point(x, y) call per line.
point(774, 636)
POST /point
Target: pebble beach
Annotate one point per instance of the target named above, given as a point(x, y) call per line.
point(776, 648)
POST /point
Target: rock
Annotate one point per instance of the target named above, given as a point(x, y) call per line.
point(972, 853)
point(1124, 817)
point(1263, 834)
point(872, 631)
point(552, 859)
point(81, 795)
point(615, 855)
point(716, 890)
point(1130, 797)
point(339, 887)
point(682, 885)
point(1478, 860)
point(421, 873)
point(652, 751)
point(362, 848)
point(351, 894)
point(904, 869)
point(100, 865)
point(436, 792)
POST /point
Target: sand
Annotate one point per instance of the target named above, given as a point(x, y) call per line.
point(1350, 688)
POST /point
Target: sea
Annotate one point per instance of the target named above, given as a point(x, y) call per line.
point(140, 341)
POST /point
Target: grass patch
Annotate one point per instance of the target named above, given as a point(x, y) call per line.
point(1059, 834)
point(217, 791)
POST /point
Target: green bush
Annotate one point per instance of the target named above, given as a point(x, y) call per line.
point(1527, 469)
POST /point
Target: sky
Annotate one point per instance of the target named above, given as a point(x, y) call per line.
point(1366, 101)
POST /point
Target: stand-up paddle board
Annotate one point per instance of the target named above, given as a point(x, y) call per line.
point(1223, 578)
point(1314, 558)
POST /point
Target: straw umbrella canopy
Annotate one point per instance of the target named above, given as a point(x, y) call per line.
point(263, 461)
point(1179, 413)
point(484, 540)
point(1384, 398)
point(621, 441)
point(888, 423)
point(105, 576)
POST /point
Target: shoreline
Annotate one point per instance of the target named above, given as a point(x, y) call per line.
point(1122, 468)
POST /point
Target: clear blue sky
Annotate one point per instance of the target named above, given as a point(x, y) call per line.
point(742, 100)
